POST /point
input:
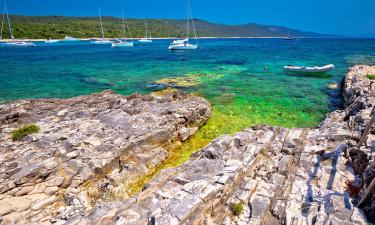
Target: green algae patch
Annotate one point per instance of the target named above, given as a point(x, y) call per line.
point(24, 131)
point(371, 77)
point(237, 208)
point(237, 114)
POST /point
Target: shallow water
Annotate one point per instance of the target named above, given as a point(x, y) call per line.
point(243, 78)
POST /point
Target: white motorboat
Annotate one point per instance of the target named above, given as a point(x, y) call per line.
point(120, 43)
point(308, 69)
point(71, 39)
point(101, 41)
point(51, 41)
point(147, 38)
point(184, 44)
point(13, 41)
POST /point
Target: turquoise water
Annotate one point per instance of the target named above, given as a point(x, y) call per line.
point(243, 78)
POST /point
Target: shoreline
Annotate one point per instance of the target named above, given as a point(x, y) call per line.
point(90, 156)
point(171, 38)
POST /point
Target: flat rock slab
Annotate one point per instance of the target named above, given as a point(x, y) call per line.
point(94, 143)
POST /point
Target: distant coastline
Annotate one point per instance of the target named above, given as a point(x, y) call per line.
point(172, 38)
point(57, 27)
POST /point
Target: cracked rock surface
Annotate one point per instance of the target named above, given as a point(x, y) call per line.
point(278, 175)
point(87, 150)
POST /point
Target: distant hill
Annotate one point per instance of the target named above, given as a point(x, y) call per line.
point(88, 27)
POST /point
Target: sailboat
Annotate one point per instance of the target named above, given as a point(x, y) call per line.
point(147, 38)
point(13, 42)
point(289, 37)
point(71, 39)
point(121, 43)
point(184, 44)
point(51, 41)
point(101, 41)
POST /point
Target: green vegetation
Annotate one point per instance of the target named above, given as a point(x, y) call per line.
point(57, 27)
point(371, 77)
point(22, 132)
point(237, 208)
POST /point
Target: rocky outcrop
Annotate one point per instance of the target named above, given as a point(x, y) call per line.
point(87, 150)
point(272, 175)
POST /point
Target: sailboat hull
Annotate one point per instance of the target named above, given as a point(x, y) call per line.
point(183, 47)
point(19, 44)
point(101, 42)
point(145, 41)
point(122, 44)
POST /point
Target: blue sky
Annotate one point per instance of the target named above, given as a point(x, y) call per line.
point(325, 16)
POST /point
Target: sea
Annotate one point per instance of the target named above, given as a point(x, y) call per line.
point(242, 78)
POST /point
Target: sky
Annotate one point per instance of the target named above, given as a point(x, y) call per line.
point(347, 17)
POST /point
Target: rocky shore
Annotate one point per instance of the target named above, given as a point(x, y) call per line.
point(88, 149)
point(265, 175)
point(75, 170)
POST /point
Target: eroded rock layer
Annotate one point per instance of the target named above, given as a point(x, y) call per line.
point(265, 175)
point(87, 150)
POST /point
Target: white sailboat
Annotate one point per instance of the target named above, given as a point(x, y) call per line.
point(71, 39)
point(51, 41)
point(123, 43)
point(147, 38)
point(184, 44)
point(13, 41)
point(101, 41)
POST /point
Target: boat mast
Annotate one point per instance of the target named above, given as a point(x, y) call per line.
point(101, 23)
point(146, 29)
point(192, 22)
point(127, 27)
point(188, 18)
point(9, 26)
point(2, 23)
point(123, 23)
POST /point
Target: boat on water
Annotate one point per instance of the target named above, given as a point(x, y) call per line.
point(123, 43)
point(309, 69)
point(184, 44)
point(101, 41)
point(70, 39)
point(147, 38)
point(13, 42)
point(289, 37)
point(51, 41)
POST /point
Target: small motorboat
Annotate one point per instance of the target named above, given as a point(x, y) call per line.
point(182, 45)
point(120, 43)
point(308, 69)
